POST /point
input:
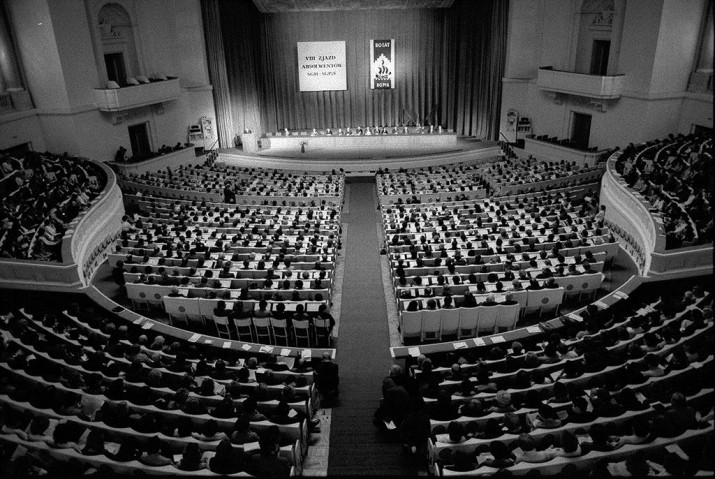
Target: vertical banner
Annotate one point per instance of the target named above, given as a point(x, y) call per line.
point(382, 64)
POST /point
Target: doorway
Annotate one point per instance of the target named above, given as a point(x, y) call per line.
point(580, 130)
point(116, 70)
point(139, 138)
point(599, 57)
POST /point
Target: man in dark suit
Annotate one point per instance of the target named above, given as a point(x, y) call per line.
point(326, 378)
point(268, 463)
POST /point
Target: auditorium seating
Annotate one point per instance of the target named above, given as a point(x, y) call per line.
point(510, 245)
point(41, 194)
point(220, 182)
point(58, 370)
point(499, 177)
point(186, 256)
point(629, 337)
point(675, 176)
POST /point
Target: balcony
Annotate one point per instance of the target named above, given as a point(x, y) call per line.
point(590, 86)
point(128, 97)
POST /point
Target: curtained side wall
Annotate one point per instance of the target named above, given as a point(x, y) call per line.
point(216, 59)
point(449, 67)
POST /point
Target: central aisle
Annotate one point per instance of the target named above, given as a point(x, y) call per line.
point(356, 447)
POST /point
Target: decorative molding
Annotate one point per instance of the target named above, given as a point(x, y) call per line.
point(282, 6)
point(17, 116)
point(75, 110)
point(197, 88)
point(517, 80)
point(647, 96)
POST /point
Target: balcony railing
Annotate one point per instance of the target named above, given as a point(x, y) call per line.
point(135, 96)
point(5, 103)
point(607, 87)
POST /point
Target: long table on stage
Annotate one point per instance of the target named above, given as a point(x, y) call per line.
point(384, 143)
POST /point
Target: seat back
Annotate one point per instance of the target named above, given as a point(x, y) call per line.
point(468, 320)
point(206, 307)
point(411, 324)
point(280, 330)
point(520, 297)
point(551, 300)
point(590, 283)
point(431, 320)
point(176, 308)
point(137, 295)
point(262, 328)
point(450, 322)
point(302, 332)
point(222, 326)
point(571, 285)
point(243, 329)
point(487, 319)
point(507, 316)
point(322, 330)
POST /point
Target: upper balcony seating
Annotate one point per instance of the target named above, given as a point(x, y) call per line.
point(675, 175)
point(41, 194)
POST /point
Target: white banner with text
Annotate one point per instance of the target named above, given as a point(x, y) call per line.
point(321, 66)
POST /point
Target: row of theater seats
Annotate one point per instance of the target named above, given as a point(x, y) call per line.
point(129, 386)
point(593, 379)
point(188, 258)
point(487, 249)
point(502, 177)
point(242, 181)
point(41, 194)
point(676, 176)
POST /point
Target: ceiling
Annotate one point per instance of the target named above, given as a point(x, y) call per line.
point(281, 6)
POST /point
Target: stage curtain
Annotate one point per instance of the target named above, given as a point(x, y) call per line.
point(242, 46)
point(216, 59)
point(477, 42)
point(449, 67)
point(419, 48)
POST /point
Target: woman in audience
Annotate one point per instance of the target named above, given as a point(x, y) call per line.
point(502, 403)
point(443, 409)
point(570, 446)
point(94, 444)
point(191, 460)
point(37, 430)
point(546, 418)
point(600, 440)
point(242, 433)
point(501, 457)
point(62, 437)
point(527, 444)
point(127, 451)
point(226, 460)
point(152, 454)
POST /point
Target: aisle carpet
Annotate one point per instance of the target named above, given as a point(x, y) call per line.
point(356, 447)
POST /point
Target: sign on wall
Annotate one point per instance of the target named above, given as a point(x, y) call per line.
point(382, 64)
point(321, 66)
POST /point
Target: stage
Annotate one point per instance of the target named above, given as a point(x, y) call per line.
point(368, 159)
point(298, 144)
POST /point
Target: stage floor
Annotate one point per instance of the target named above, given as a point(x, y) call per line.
point(462, 144)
